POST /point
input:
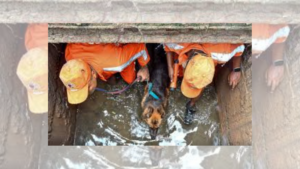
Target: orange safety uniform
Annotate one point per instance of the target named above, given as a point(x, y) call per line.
point(193, 84)
point(181, 49)
point(220, 53)
point(108, 59)
point(264, 35)
point(36, 36)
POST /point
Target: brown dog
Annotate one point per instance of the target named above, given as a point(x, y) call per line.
point(155, 99)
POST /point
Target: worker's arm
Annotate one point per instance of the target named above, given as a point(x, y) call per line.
point(275, 73)
point(277, 51)
point(143, 73)
point(235, 75)
point(236, 62)
point(170, 60)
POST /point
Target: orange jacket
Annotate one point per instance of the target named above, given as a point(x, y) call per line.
point(108, 59)
point(36, 36)
point(221, 52)
point(264, 35)
point(181, 49)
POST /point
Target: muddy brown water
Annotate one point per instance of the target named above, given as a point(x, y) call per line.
point(116, 120)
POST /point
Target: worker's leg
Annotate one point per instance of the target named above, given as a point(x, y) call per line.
point(194, 100)
point(191, 109)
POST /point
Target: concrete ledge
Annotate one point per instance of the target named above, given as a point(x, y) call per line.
point(141, 11)
point(150, 33)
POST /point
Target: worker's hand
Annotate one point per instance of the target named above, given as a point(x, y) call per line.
point(274, 76)
point(143, 74)
point(234, 79)
point(171, 73)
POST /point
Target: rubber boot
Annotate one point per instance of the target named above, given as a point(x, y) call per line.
point(189, 113)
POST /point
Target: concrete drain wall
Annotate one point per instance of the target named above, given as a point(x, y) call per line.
point(276, 116)
point(235, 111)
point(21, 133)
point(61, 115)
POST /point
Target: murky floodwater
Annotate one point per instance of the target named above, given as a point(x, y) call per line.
point(116, 120)
point(137, 157)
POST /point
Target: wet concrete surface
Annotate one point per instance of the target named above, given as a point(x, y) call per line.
point(116, 120)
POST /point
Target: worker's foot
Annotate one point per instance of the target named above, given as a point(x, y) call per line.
point(189, 113)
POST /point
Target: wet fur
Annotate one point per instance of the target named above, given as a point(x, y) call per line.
point(154, 110)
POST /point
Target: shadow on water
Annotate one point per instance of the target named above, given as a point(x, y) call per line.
point(116, 120)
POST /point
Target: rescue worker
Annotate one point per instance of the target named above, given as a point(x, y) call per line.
point(87, 61)
point(196, 63)
point(32, 69)
point(266, 36)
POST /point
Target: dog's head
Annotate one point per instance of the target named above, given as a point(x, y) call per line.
point(153, 116)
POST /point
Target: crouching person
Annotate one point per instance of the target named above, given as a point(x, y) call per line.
point(86, 62)
point(196, 64)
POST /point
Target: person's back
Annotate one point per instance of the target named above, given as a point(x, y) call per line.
point(108, 59)
point(93, 53)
